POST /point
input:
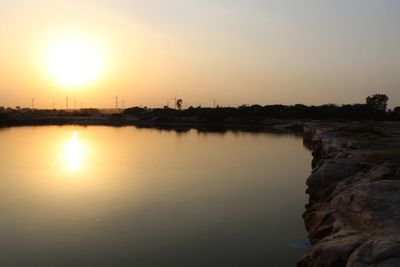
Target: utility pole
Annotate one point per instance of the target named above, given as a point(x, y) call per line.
point(75, 104)
point(33, 103)
point(66, 102)
point(54, 105)
point(116, 102)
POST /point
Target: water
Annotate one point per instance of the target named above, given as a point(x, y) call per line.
point(102, 196)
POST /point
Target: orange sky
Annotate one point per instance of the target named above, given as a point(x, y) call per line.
point(239, 52)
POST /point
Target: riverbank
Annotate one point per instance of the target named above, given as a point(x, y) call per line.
point(353, 214)
point(178, 124)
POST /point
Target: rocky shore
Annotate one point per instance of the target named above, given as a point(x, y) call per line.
point(353, 214)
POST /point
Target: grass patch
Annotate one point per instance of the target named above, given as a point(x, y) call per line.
point(364, 129)
point(387, 154)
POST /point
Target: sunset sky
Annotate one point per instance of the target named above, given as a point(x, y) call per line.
point(237, 51)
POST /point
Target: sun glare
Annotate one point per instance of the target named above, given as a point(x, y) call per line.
point(74, 62)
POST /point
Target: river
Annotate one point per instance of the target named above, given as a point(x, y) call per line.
point(104, 196)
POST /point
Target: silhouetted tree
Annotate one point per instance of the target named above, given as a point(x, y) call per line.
point(397, 109)
point(179, 104)
point(378, 102)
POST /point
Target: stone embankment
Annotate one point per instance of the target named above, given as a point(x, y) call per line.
point(353, 214)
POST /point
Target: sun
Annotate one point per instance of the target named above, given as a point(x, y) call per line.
point(74, 62)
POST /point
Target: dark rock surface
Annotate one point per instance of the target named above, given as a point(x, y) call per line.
point(353, 214)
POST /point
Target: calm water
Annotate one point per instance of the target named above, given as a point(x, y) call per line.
point(101, 196)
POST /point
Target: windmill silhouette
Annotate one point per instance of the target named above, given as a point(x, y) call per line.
point(116, 101)
point(214, 101)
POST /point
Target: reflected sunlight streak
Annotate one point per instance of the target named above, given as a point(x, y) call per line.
point(73, 152)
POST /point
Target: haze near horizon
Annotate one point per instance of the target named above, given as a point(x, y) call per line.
point(239, 52)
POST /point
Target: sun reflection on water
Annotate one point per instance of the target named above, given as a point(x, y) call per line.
point(73, 152)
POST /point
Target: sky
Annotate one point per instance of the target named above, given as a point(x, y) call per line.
point(234, 51)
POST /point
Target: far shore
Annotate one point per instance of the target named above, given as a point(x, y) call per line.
point(270, 125)
point(254, 118)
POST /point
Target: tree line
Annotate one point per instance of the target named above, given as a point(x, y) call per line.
point(375, 108)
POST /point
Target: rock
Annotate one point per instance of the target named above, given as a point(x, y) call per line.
point(342, 155)
point(324, 178)
point(381, 172)
point(365, 205)
point(383, 250)
point(332, 252)
point(353, 214)
point(351, 145)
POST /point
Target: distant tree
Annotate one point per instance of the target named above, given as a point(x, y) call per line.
point(397, 109)
point(179, 104)
point(378, 102)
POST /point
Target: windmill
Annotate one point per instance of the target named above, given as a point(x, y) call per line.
point(214, 101)
point(116, 101)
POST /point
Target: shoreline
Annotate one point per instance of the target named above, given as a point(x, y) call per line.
point(272, 125)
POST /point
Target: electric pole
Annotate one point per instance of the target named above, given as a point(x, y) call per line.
point(116, 102)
